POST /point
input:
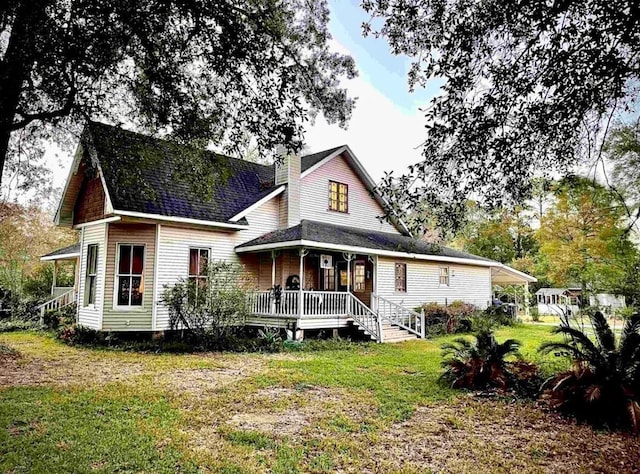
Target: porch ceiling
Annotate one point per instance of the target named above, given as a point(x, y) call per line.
point(504, 275)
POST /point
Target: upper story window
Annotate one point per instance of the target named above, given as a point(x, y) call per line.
point(130, 275)
point(338, 197)
point(444, 276)
point(92, 274)
point(401, 277)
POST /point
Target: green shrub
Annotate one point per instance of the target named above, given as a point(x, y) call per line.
point(440, 319)
point(81, 335)
point(603, 386)
point(500, 315)
point(51, 319)
point(534, 313)
point(213, 312)
point(11, 325)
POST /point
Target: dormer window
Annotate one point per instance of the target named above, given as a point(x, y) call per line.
point(338, 197)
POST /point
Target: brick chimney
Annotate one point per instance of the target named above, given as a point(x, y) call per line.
point(287, 172)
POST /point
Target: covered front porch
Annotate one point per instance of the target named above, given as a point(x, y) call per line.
point(312, 288)
point(62, 296)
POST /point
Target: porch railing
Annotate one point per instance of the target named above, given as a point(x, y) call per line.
point(60, 301)
point(315, 304)
point(397, 314)
point(369, 321)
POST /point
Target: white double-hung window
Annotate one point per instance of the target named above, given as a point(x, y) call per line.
point(130, 275)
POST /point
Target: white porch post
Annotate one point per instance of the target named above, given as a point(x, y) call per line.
point(299, 336)
point(273, 268)
point(303, 253)
point(526, 300)
point(55, 275)
point(273, 281)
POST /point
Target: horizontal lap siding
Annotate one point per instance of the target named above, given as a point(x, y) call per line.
point(174, 244)
point(90, 315)
point(363, 209)
point(135, 319)
point(469, 283)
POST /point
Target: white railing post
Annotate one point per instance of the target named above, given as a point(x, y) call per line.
point(423, 327)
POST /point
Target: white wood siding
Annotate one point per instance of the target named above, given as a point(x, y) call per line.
point(363, 209)
point(467, 283)
point(91, 315)
point(174, 244)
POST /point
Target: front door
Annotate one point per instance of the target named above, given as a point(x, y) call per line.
point(342, 276)
point(361, 280)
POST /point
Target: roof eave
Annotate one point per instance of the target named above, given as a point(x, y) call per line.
point(257, 204)
point(363, 250)
point(180, 220)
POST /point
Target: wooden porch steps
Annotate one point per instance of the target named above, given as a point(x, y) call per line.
point(396, 334)
point(392, 333)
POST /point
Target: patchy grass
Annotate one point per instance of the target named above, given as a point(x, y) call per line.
point(44, 430)
point(338, 407)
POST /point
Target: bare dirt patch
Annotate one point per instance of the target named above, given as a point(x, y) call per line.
point(472, 435)
point(69, 371)
point(198, 382)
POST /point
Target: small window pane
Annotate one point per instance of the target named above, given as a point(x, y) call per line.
point(125, 259)
point(123, 290)
point(204, 262)
point(137, 291)
point(138, 260)
point(193, 262)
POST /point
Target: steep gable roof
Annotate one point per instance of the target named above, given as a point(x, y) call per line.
point(143, 175)
point(147, 175)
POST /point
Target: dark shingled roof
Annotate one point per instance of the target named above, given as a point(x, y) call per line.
point(146, 174)
point(349, 236)
point(75, 248)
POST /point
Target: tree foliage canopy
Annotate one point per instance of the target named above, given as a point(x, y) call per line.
point(582, 237)
point(204, 70)
point(528, 87)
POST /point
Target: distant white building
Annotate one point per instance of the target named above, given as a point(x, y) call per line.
point(559, 301)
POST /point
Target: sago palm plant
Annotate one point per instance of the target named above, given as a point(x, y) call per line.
point(478, 365)
point(603, 385)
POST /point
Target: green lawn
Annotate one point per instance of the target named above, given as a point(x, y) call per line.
point(65, 409)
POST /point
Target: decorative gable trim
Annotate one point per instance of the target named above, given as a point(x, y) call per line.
point(70, 195)
point(257, 204)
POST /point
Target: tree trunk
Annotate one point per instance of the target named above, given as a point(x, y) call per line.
point(16, 66)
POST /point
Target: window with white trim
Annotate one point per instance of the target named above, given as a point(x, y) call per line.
point(91, 275)
point(329, 279)
point(199, 266)
point(444, 276)
point(130, 276)
point(338, 197)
